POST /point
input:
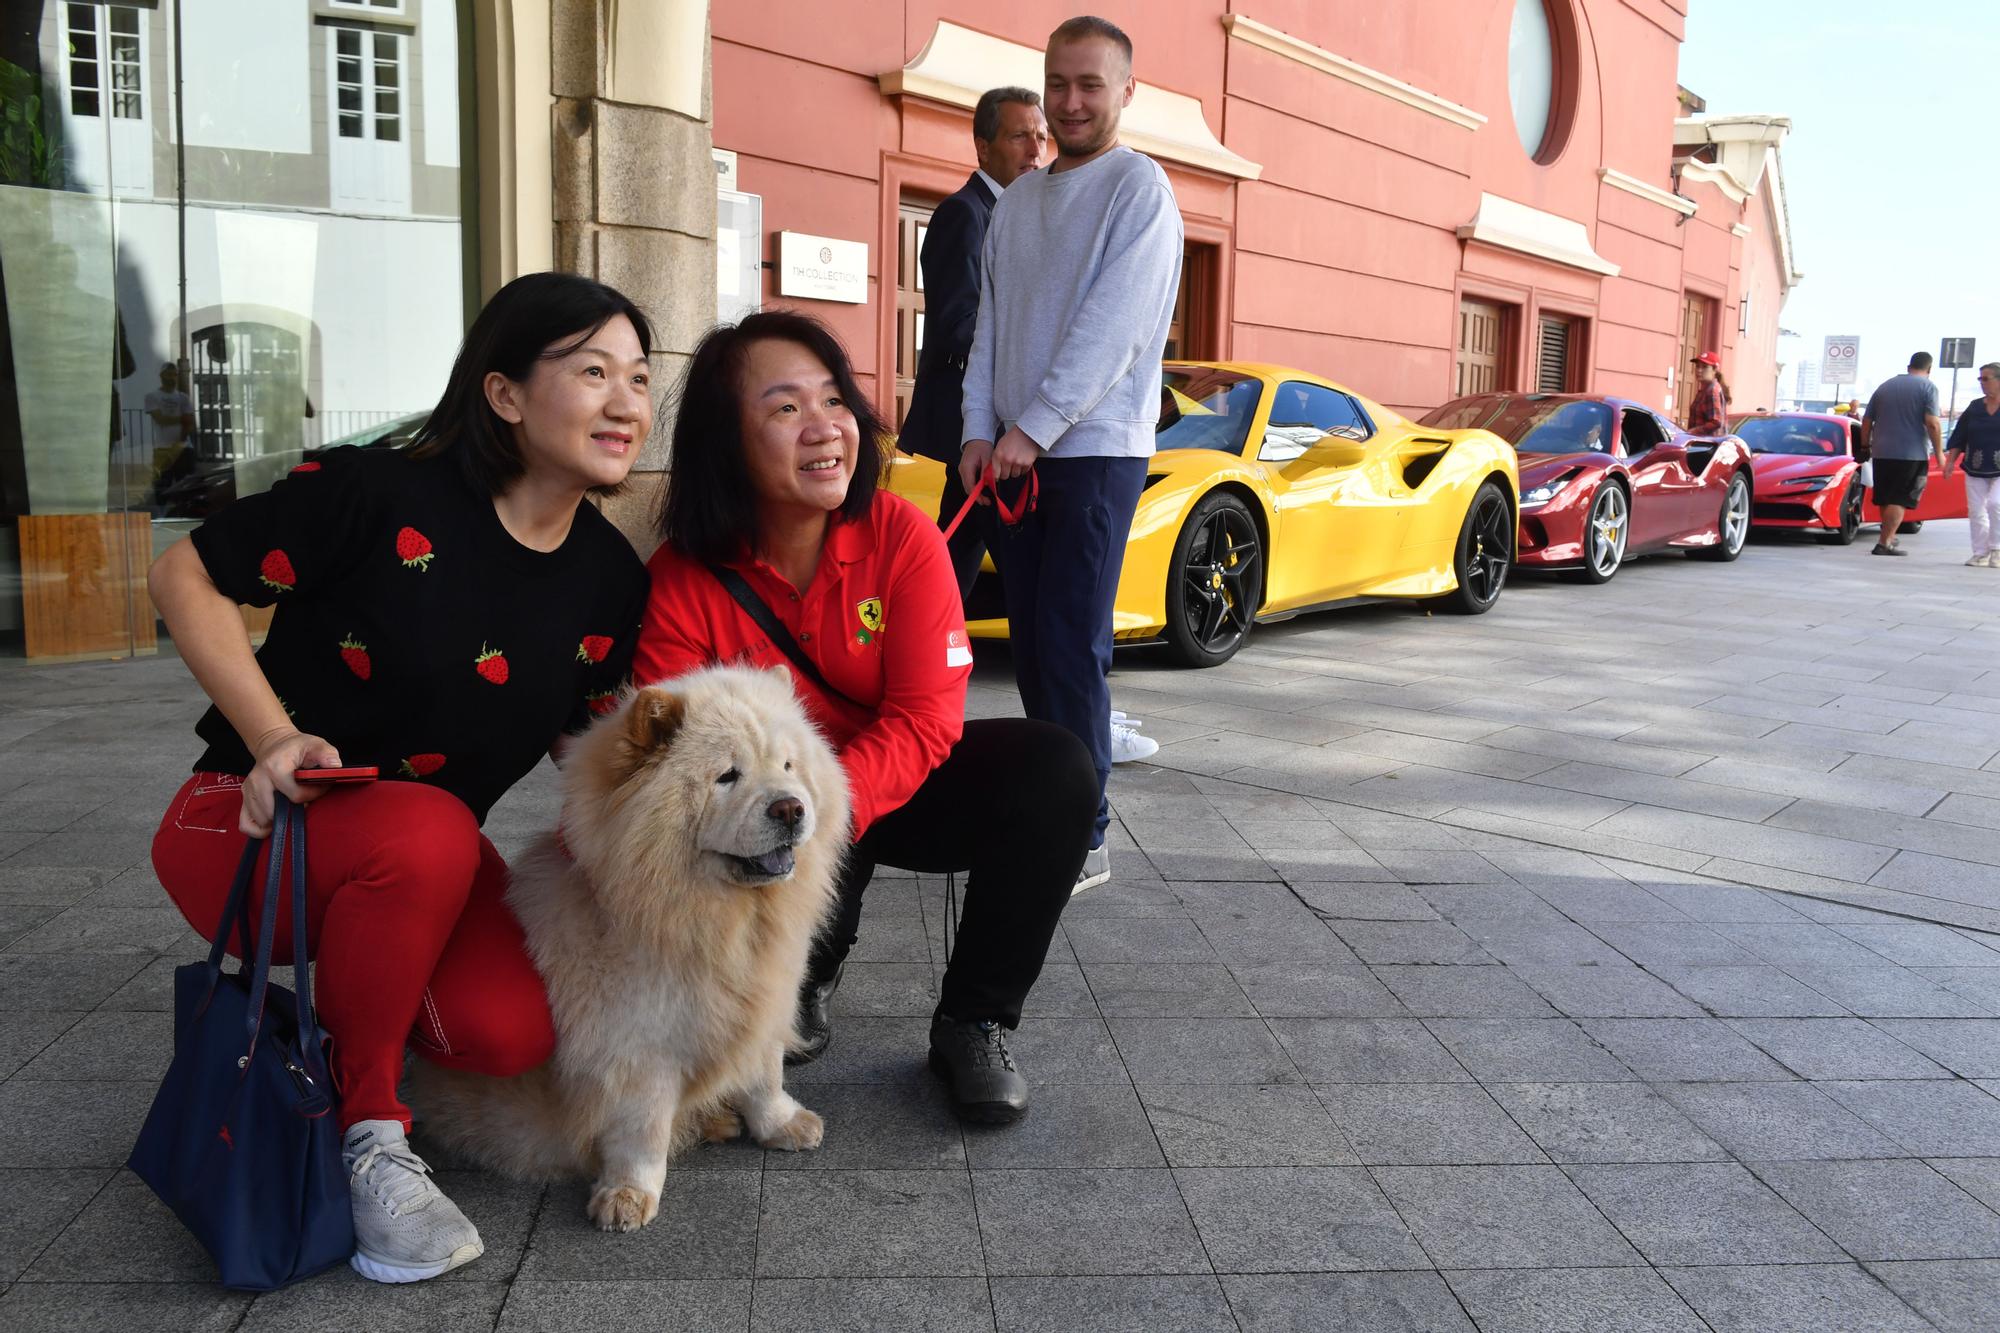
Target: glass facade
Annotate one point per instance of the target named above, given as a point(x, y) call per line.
point(231, 234)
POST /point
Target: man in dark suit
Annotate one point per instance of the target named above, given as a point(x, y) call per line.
point(1008, 136)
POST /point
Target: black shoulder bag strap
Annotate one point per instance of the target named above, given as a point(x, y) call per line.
point(746, 597)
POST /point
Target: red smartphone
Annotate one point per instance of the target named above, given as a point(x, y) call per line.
point(358, 773)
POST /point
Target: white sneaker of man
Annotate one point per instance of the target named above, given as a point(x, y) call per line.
point(1991, 559)
point(1127, 744)
point(405, 1229)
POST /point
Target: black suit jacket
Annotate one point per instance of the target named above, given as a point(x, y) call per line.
point(951, 267)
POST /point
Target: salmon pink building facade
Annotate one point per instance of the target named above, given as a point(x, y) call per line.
point(1420, 200)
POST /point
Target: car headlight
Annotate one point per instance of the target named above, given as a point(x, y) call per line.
point(1809, 484)
point(1545, 492)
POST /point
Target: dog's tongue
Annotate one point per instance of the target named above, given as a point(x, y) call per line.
point(775, 863)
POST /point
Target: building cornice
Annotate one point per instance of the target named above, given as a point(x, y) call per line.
point(1652, 194)
point(1507, 225)
point(958, 64)
point(1262, 35)
point(1722, 178)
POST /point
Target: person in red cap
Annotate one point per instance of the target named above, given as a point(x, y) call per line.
point(1708, 414)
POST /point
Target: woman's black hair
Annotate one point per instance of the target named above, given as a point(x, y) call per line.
point(536, 317)
point(708, 511)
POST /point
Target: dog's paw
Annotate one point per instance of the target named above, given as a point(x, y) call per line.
point(622, 1207)
point(802, 1132)
point(721, 1125)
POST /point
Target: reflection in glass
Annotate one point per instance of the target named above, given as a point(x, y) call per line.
point(1531, 67)
point(197, 296)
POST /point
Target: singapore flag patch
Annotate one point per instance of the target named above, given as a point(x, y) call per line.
point(957, 653)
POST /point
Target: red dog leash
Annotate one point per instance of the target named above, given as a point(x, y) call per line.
point(1011, 517)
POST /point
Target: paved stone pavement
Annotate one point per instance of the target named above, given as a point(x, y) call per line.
point(1612, 961)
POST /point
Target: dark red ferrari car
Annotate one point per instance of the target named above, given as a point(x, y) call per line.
point(1810, 474)
point(1603, 479)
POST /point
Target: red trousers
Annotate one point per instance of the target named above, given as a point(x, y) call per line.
point(413, 940)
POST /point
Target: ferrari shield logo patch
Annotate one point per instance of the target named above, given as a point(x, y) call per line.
point(869, 613)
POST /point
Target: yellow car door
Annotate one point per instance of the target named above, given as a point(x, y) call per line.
point(1338, 525)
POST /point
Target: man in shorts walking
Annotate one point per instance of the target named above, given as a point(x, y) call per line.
point(1902, 431)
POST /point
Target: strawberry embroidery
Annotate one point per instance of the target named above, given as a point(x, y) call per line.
point(601, 702)
point(306, 467)
point(414, 550)
point(275, 571)
point(593, 648)
point(421, 765)
point(355, 654)
point(491, 664)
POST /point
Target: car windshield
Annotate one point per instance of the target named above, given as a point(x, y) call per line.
point(1791, 435)
point(1532, 425)
point(1202, 408)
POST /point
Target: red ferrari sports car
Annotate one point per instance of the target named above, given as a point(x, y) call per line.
point(1809, 475)
point(1606, 478)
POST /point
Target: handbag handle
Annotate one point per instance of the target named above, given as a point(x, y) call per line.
point(288, 835)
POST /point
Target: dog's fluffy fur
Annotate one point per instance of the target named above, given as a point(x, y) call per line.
point(672, 937)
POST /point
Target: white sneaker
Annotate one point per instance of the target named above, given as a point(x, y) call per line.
point(1096, 870)
point(1126, 742)
point(405, 1230)
point(1992, 560)
point(1981, 561)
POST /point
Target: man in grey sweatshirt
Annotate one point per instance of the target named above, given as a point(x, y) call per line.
point(1082, 262)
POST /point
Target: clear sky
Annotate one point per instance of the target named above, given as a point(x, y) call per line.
point(1892, 170)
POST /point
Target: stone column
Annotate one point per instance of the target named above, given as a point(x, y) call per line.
point(635, 186)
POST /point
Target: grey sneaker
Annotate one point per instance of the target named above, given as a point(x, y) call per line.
point(1096, 870)
point(405, 1230)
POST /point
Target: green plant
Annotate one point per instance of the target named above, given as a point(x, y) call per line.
point(30, 142)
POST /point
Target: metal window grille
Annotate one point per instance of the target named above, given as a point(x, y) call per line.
point(125, 66)
point(1552, 368)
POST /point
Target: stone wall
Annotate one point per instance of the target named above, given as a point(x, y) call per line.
point(635, 188)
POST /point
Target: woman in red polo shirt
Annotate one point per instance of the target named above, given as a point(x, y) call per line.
point(777, 456)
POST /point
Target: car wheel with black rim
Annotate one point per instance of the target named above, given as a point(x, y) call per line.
point(1605, 533)
point(1485, 554)
point(1850, 516)
point(1216, 582)
point(1733, 523)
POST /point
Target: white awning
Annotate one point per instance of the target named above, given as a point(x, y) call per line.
point(957, 65)
point(1506, 225)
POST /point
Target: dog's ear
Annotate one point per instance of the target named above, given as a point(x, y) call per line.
point(653, 720)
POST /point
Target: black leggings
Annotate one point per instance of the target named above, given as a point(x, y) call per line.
point(1014, 804)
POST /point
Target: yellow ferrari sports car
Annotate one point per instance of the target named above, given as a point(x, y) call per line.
point(1274, 492)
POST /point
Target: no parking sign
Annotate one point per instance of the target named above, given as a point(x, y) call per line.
point(1841, 362)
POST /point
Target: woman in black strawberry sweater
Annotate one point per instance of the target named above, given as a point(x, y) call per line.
point(444, 614)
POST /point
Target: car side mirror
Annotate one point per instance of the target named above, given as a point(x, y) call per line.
point(1282, 444)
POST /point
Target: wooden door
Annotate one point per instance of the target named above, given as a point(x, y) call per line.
point(1697, 322)
point(913, 224)
point(1477, 369)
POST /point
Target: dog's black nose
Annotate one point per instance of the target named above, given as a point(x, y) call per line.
point(787, 810)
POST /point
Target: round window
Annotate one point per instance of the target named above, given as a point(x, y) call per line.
point(1531, 75)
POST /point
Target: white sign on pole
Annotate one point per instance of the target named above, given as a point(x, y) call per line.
point(1841, 362)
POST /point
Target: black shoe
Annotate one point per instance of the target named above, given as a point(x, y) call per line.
point(815, 1019)
point(1880, 549)
point(974, 1060)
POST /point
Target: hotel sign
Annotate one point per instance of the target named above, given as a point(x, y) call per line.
point(820, 268)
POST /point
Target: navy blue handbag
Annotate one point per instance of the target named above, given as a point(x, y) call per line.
point(240, 1142)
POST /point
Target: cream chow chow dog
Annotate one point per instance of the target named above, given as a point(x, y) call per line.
point(702, 828)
